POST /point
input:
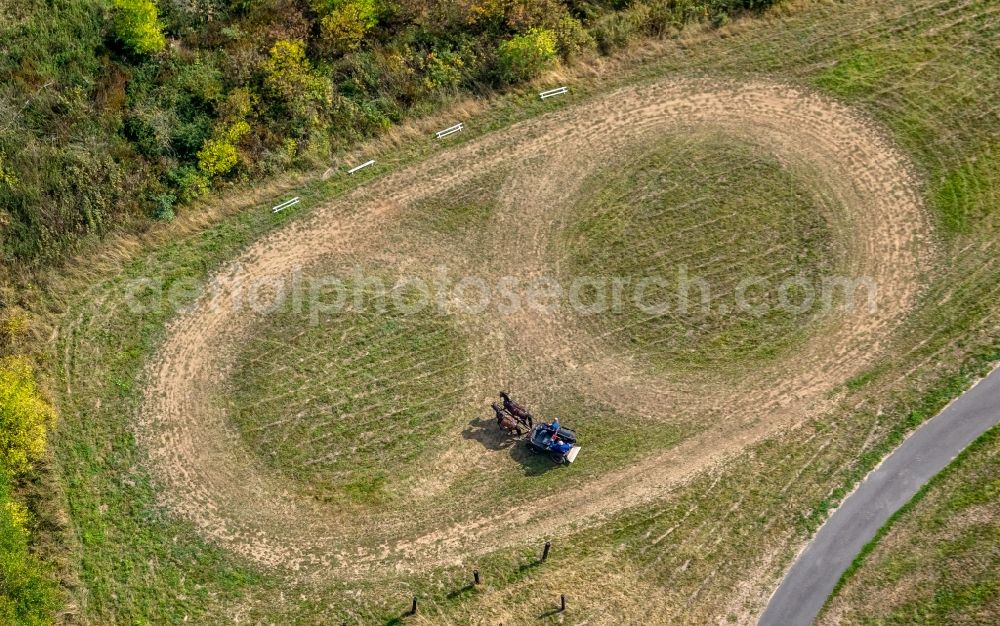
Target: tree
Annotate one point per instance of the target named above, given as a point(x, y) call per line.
point(572, 38)
point(136, 25)
point(289, 76)
point(525, 56)
point(346, 24)
point(219, 155)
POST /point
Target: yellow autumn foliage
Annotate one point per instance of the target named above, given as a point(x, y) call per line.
point(24, 415)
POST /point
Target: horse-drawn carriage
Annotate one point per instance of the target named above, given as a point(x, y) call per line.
point(558, 442)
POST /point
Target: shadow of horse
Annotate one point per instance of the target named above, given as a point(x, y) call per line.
point(492, 437)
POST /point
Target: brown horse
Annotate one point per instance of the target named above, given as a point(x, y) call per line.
point(507, 421)
point(522, 414)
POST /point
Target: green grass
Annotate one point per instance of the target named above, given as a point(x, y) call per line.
point(934, 561)
point(338, 399)
point(457, 212)
point(701, 206)
point(970, 192)
point(28, 595)
point(859, 73)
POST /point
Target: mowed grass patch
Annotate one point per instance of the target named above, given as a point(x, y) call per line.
point(933, 92)
point(970, 192)
point(693, 216)
point(459, 210)
point(348, 401)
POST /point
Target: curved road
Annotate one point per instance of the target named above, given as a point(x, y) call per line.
point(809, 582)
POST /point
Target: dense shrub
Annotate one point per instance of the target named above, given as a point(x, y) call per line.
point(27, 590)
point(289, 76)
point(100, 135)
point(507, 16)
point(7, 178)
point(524, 56)
point(616, 30)
point(346, 23)
point(163, 206)
point(137, 26)
point(442, 69)
point(572, 38)
point(219, 155)
point(189, 183)
point(24, 415)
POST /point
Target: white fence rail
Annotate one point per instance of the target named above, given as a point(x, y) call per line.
point(451, 130)
point(558, 91)
point(284, 205)
point(361, 167)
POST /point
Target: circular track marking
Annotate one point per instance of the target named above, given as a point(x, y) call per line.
point(207, 475)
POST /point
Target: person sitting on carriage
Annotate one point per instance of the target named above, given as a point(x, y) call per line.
point(559, 446)
point(554, 427)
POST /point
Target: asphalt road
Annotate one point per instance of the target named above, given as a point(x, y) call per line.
point(923, 454)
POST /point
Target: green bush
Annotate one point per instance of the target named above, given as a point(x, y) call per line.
point(572, 38)
point(189, 183)
point(24, 415)
point(218, 157)
point(136, 25)
point(346, 23)
point(289, 76)
point(525, 56)
point(7, 178)
point(163, 206)
point(442, 69)
point(616, 30)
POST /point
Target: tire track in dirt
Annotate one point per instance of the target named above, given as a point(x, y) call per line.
point(209, 477)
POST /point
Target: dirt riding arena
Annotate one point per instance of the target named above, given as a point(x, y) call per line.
point(209, 476)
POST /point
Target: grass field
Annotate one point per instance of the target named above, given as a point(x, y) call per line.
point(935, 563)
point(706, 206)
point(459, 212)
point(342, 404)
point(688, 500)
